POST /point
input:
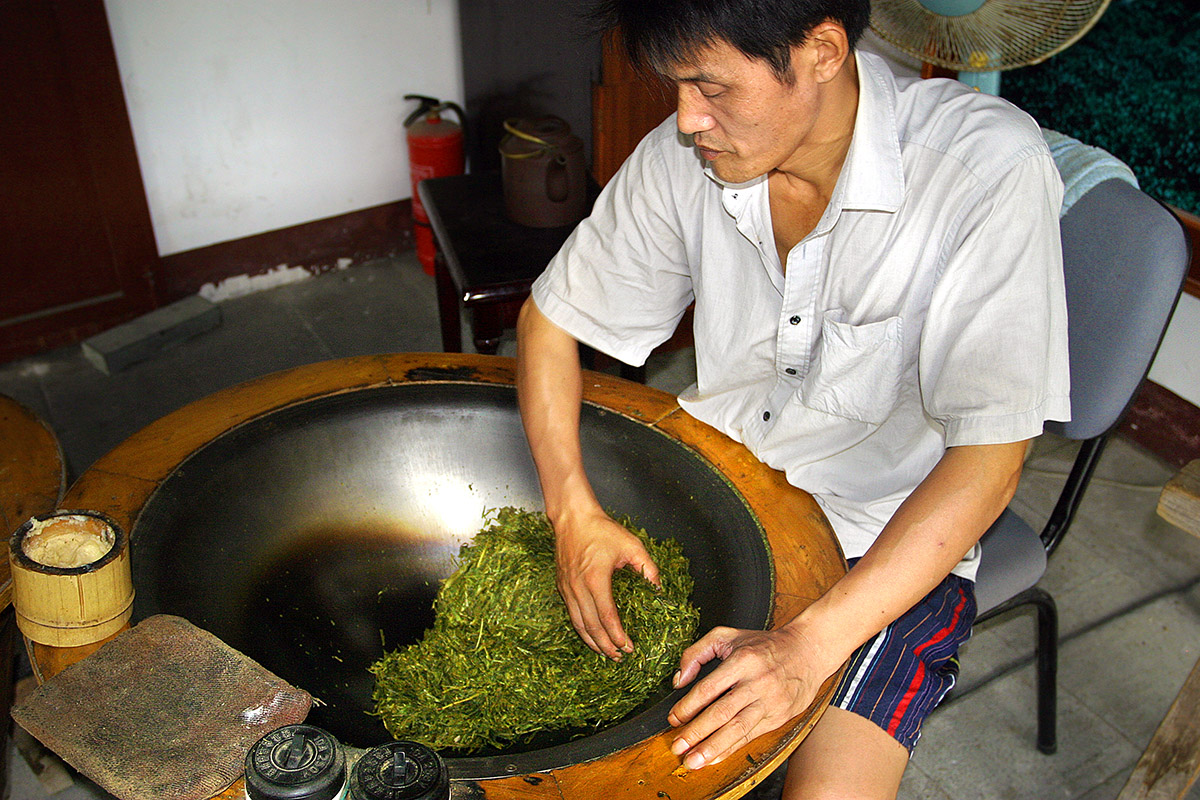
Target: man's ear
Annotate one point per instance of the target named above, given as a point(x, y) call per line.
point(829, 48)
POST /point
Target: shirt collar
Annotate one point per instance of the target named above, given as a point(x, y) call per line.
point(736, 196)
point(872, 178)
point(873, 175)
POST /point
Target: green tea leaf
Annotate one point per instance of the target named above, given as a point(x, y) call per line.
point(502, 662)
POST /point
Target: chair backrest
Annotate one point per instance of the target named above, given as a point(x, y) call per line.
point(1125, 257)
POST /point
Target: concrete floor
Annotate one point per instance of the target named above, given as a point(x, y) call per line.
point(1127, 584)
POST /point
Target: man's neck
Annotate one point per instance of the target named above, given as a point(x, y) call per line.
point(800, 190)
point(819, 162)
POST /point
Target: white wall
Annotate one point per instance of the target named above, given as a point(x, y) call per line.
point(253, 115)
point(1177, 366)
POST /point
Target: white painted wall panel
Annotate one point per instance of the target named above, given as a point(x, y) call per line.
point(1177, 366)
point(253, 116)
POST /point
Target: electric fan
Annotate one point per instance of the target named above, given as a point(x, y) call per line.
point(983, 35)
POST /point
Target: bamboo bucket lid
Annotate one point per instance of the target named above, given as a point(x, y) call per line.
point(72, 583)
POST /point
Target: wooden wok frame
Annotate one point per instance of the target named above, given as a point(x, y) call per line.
point(806, 555)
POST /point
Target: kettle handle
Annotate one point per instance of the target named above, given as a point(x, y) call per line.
point(511, 128)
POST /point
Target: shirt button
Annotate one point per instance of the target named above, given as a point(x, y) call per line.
point(790, 371)
point(766, 416)
point(795, 320)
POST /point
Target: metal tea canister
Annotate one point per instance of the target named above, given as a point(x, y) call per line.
point(400, 771)
point(296, 762)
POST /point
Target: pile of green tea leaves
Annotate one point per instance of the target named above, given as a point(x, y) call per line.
point(502, 662)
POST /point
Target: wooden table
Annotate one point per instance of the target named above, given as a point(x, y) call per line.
point(32, 473)
point(1171, 762)
point(484, 261)
point(32, 480)
point(806, 556)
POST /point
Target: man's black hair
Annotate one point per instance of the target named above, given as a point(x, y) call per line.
point(659, 34)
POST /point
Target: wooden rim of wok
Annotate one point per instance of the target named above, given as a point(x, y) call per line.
point(806, 555)
point(35, 477)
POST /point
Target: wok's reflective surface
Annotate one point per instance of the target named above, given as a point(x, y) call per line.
point(311, 536)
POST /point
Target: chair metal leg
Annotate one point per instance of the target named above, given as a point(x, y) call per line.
point(1047, 669)
point(1046, 653)
point(1072, 494)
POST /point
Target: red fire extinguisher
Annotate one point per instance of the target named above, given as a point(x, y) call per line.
point(435, 150)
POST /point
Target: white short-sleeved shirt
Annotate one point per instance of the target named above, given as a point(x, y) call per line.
point(926, 309)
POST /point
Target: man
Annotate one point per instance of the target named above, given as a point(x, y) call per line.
point(879, 312)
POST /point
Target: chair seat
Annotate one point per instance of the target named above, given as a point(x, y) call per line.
point(1013, 560)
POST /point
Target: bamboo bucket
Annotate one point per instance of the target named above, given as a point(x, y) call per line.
point(87, 599)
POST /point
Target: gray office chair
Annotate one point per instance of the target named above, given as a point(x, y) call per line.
point(1125, 258)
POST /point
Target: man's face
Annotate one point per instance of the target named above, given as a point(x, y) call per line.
point(743, 119)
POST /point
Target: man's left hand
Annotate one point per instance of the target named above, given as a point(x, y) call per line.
point(765, 679)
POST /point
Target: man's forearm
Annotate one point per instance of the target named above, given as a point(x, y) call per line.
point(549, 390)
point(588, 544)
point(931, 531)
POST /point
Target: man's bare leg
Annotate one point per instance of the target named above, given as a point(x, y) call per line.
point(846, 757)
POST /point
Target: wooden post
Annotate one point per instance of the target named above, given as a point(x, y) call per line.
point(1179, 503)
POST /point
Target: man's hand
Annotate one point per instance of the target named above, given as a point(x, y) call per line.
point(765, 679)
point(587, 554)
point(589, 545)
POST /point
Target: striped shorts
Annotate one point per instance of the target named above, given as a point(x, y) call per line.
point(900, 675)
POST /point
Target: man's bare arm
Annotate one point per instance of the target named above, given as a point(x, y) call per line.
point(766, 678)
point(589, 544)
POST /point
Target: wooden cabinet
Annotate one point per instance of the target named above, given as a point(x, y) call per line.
point(625, 107)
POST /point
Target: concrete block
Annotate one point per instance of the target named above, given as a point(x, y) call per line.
point(150, 334)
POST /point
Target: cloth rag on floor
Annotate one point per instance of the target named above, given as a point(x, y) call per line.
point(1082, 166)
point(164, 711)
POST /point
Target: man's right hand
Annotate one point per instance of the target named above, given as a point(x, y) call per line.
point(588, 551)
point(589, 544)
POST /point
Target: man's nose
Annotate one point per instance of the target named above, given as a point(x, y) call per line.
point(693, 116)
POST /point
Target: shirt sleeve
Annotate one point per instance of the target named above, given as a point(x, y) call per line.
point(621, 283)
point(994, 360)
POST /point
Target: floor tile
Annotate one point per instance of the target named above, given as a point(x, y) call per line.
point(1109, 789)
point(672, 372)
point(916, 785)
point(22, 382)
point(991, 650)
point(1129, 670)
point(24, 785)
point(384, 306)
point(982, 746)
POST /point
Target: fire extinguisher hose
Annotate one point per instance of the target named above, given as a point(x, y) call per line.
point(431, 105)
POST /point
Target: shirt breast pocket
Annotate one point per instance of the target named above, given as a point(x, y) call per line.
point(856, 371)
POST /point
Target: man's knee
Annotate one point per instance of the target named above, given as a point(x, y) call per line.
point(845, 757)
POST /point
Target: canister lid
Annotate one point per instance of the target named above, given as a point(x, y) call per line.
point(400, 771)
point(296, 762)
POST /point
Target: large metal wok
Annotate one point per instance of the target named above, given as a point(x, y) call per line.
point(307, 517)
point(307, 537)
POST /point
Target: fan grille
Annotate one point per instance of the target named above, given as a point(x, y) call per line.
point(1001, 34)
